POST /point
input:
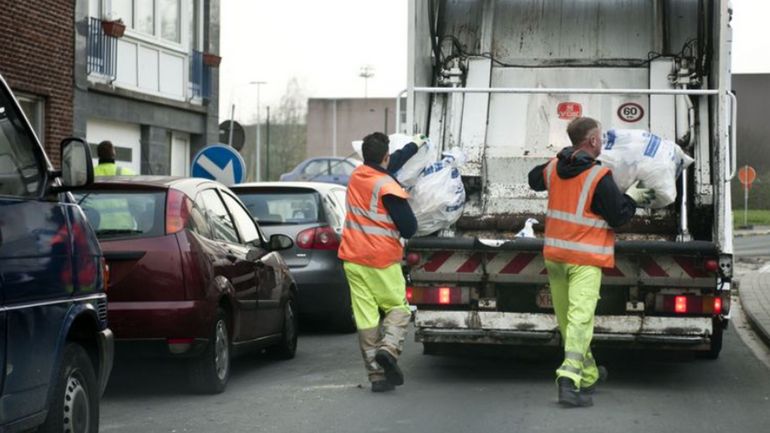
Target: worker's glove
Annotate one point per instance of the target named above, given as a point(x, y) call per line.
point(642, 196)
point(420, 139)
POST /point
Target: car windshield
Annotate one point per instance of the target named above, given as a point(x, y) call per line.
point(283, 207)
point(118, 214)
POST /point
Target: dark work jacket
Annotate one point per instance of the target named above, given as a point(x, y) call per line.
point(615, 207)
point(398, 208)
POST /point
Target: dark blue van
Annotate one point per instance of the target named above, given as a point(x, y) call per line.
point(55, 348)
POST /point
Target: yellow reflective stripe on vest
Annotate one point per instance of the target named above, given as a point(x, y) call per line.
point(577, 219)
point(581, 207)
point(376, 191)
point(575, 246)
point(372, 230)
point(548, 174)
point(375, 216)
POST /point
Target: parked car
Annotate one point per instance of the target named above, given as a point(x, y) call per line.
point(192, 275)
point(326, 169)
point(55, 348)
point(312, 214)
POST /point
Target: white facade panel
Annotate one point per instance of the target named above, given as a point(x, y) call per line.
point(126, 73)
point(122, 135)
point(180, 154)
point(172, 74)
point(148, 69)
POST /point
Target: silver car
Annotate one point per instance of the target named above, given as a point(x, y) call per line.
point(311, 213)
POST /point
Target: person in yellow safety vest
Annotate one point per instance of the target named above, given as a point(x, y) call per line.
point(107, 165)
point(584, 205)
point(115, 213)
point(378, 216)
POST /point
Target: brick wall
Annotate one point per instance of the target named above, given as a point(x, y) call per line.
point(37, 41)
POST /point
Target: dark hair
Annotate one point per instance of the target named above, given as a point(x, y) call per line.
point(105, 150)
point(579, 128)
point(375, 147)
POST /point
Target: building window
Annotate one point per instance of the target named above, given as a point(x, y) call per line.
point(159, 18)
point(34, 109)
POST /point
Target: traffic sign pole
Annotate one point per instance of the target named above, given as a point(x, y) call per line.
point(746, 175)
point(746, 204)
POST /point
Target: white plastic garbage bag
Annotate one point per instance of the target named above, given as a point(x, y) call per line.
point(634, 155)
point(438, 196)
point(407, 174)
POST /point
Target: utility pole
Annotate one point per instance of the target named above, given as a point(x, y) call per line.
point(334, 128)
point(257, 155)
point(230, 134)
point(267, 145)
point(366, 72)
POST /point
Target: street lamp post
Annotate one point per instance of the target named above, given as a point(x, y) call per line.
point(258, 160)
point(367, 71)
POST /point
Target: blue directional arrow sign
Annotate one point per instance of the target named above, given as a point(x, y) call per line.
point(219, 162)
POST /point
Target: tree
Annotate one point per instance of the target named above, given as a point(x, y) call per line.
point(288, 127)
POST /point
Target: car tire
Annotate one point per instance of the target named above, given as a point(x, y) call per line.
point(75, 404)
point(287, 348)
point(209, 373)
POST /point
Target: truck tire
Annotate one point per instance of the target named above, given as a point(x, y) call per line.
point(716, 342)
point(287, 348)
point(75, 404)
point(209, 373)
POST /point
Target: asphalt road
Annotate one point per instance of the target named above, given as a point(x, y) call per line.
point(324, 390)
point(752, 246)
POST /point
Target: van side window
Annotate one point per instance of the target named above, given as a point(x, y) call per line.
point(20, 169)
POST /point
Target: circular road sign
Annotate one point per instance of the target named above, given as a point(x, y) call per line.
point(747, 175)
point(219, 162)
point(239, 135)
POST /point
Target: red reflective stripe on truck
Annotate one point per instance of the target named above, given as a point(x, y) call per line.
point(473, 263)
point(519, 262)
point(651, 268)
point(436, 260)
point(613, 272)
point(691, 267)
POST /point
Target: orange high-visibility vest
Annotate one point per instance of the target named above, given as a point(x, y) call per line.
point(370, 236)
point(573, 232)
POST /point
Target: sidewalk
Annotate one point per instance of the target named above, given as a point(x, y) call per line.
point(754, 293)
point(756, 230)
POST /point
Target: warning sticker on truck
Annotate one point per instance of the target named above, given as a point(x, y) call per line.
point(569, 110)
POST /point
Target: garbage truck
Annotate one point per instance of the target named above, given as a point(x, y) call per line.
point(501, 79)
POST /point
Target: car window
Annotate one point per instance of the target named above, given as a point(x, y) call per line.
point(332, 211)
point(197, 222)
point(318, 167)
point(342, 168)
point(243, 220)
point(222, 227)
point(121, 214)
point(281, 207)
point(20, 168)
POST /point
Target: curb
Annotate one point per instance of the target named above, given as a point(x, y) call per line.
point(764, 334)
point(745, 235)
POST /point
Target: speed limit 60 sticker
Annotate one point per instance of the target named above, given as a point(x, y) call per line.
point(630, 112)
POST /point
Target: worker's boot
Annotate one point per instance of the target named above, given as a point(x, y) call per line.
point(570, 395)
point(382, 386)
point(389, 363)
point(602, 378)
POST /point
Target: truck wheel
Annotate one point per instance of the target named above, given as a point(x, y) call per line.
point(209, 373)
point(287, 348)
point(75, 404)
point(716, 342)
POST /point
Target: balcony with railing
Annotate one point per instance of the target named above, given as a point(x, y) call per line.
point(200, 76)
point(102, 51)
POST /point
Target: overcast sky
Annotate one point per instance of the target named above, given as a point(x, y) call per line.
point(324, 43)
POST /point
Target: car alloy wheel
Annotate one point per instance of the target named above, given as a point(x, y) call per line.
point(221, 350)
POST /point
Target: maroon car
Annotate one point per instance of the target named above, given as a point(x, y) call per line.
point(191, 274)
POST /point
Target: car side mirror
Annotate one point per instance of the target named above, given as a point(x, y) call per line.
point(77, 169)
point(280, 242)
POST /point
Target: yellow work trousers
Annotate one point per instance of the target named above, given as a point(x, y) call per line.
point(575, 293)
point(376, 292)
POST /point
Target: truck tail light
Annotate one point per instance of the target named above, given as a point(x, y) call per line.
point(105, 273)
point(444, 295)
point(318, 238)
point(177, 211)
point(717, 305)
point(711, 265)
point(413, 259)
point(680, 304)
